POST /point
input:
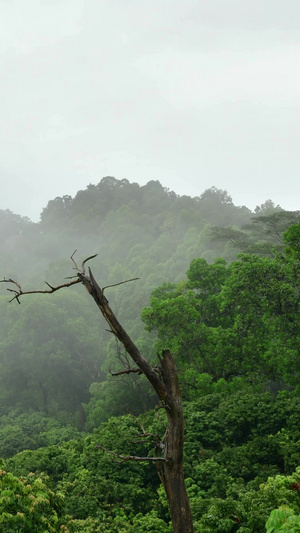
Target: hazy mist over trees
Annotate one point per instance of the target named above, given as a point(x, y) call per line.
point(218, 286)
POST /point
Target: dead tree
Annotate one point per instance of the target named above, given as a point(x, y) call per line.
point(164, 380)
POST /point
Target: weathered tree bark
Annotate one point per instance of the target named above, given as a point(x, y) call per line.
point(164, 380)
point(171, 472)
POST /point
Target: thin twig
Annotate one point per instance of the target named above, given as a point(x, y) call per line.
point(73, 261)
point(145, 434)
point(4, 280)
point(120, 283)
point(85, 261)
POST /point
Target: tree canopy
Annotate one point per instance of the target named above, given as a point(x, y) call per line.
point(231, 322)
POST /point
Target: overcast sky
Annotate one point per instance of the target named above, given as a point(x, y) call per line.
point(192, 93)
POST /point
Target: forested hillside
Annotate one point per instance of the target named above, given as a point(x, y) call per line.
point(218, 285)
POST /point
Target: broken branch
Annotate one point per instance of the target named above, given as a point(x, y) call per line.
point(120, 282)
point(127, 371)
point(130, 457)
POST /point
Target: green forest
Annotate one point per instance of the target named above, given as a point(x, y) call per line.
point(218, 286)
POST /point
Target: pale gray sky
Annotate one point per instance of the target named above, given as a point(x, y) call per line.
point(193, 93)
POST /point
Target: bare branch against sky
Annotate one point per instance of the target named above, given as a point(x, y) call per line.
point(194, 94)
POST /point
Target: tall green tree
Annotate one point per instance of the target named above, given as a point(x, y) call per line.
point(236, 320)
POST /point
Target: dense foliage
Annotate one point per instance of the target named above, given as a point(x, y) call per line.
point(232, 324)
point(236, 320)
point(240, 455)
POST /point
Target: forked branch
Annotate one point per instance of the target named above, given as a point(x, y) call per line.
point(19, 292)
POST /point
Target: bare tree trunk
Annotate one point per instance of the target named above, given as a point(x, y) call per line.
point(165, 382)
point(171, 472)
